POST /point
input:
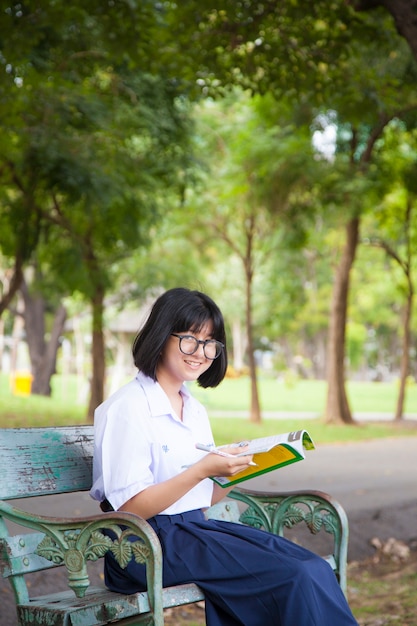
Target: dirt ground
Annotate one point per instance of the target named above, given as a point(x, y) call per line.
point(382, 590)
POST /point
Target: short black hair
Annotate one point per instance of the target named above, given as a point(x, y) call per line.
point(175, 311)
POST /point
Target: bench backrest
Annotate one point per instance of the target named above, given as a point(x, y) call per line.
point(43, 461)
point(38, 462)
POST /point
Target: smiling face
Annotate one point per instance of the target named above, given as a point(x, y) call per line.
point(174, 367)
point(180, 311)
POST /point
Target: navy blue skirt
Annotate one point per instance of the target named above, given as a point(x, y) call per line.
point(249, 577)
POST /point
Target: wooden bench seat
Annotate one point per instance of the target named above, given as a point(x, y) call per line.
point(101, 606)
point(47, 461)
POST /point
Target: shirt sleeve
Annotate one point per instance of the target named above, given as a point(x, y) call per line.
point(125, 454)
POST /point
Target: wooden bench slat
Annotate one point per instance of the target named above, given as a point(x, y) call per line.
point(100, 605)
point(39, 461)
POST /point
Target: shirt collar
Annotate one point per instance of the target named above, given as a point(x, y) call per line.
point(157, 399)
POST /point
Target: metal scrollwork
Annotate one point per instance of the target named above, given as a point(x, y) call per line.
point(275, 513)
point(251, 518)
point(98, 545)
point(75, 548)
point(50, 551)
point(293, 516)
point(72, 542)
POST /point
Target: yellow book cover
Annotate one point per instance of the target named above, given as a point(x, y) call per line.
point(270, 453)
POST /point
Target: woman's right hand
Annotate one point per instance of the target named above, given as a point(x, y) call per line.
point(218, 465)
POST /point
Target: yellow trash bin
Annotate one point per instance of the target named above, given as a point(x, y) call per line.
point(22, 383)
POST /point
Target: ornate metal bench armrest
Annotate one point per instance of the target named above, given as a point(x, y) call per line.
point(74, 541)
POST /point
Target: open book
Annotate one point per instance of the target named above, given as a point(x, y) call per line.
point(269, 453)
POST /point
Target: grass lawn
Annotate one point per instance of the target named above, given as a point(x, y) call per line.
point(28, 411)
point(304, 395)
point(67, 406)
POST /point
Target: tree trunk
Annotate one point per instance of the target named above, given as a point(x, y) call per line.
point(34, 319)
point(13, 284)
point(1, 343)
point(98, 354)
point(42, 379)
point(405, 357)
point(406, 267)
point(43, 354)
point(255, 409)
point(337, 405)
point(17, 333)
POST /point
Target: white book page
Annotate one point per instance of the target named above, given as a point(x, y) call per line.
point(263, 444)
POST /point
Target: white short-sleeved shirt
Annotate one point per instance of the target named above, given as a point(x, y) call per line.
point(139, 441)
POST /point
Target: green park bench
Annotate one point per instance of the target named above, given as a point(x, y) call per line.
point(46, 461)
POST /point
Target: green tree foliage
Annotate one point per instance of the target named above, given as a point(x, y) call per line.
point(268, 47)
point(403, 13)
point(329, 58)
point(94, 128)
point(303, 54)
point(90, 142)
point(252, 202)
point(393, 228)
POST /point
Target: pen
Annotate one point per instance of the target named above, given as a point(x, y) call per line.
point(201, 446)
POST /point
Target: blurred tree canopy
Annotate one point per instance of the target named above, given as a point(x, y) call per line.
point(95, 127)
point(91, 140)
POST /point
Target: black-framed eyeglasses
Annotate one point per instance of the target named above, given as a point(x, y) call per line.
point(189, 344)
